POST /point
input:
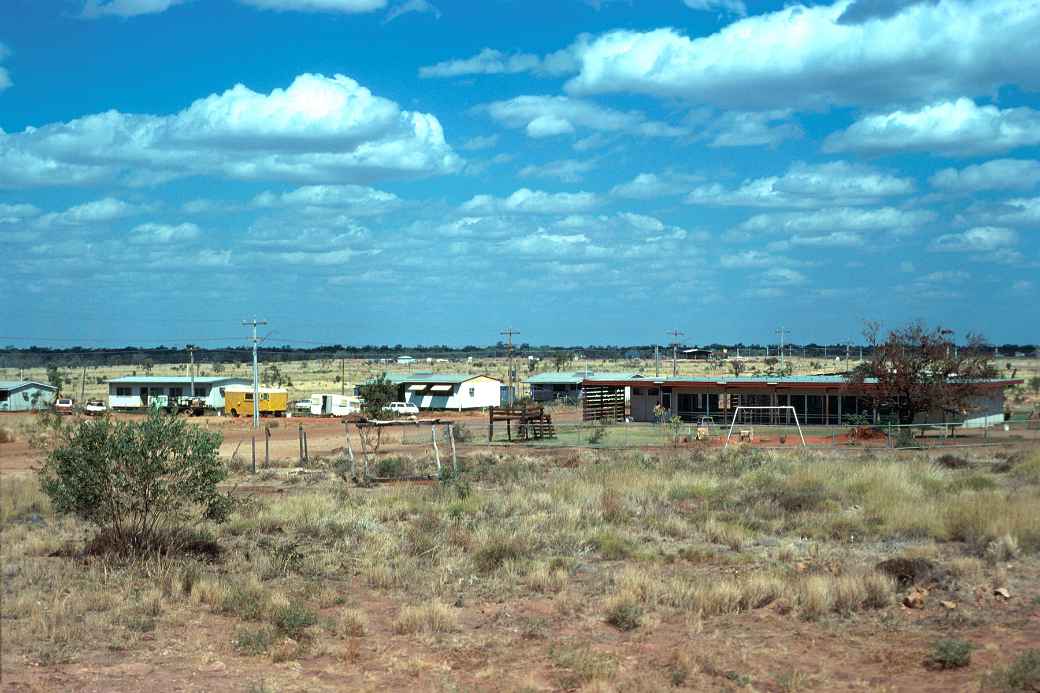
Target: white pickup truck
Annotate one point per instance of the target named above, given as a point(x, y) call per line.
point(402, 408)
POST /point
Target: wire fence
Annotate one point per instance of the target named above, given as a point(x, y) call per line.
point(649, 435)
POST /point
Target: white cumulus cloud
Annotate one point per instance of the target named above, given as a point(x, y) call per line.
point(358, 199)
point(93, 9)
point(318, 129)
point(95, 212)
point(998, 174)
point(807, 185)
point(566, 170)
point(546, 116)
point(808, 57)
point(340, 6)
point(491, 61)
point(526, 201)
point(153, 233)
point(958, 127)
point(979, 239)
point(727, 6)
point(5, 77)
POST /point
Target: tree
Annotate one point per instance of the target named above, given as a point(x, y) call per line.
point(1034, 384)
point(737, 366)
point(561, 359)
point(55, 377)
point(375, 396)
point(918, 370)
point(218, 367)
point(147, 364)
point(136, 480)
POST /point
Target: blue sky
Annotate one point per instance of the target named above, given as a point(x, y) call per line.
point(426, 171)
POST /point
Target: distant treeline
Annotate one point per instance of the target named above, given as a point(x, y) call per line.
point(37, 357)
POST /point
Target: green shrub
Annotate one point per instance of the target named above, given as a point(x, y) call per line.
point(292, 619)
point(950, 653)
point(624, 613)
point(497, 551)
point(1023, 674)
point(613, 546)
point(248, 641)
point(390, 468)
point(136, 480)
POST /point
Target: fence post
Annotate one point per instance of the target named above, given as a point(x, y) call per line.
point(454, 459)
point(306, 452)
point(350, 450)
point(267, 447)
point(299, 436)
point(436, 452)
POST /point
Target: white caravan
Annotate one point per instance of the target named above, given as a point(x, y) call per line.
point(334, 405)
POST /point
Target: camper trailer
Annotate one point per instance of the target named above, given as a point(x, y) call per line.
point(238, 400)
point(334, 405)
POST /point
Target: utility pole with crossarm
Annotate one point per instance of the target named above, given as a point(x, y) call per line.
point(256, 372)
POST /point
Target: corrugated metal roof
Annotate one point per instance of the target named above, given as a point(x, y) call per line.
point(15, 384)
point(177, 379)
point(758, 379)
point(426, 377)
point(574, 378)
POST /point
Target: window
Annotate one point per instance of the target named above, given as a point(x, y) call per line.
point(123, 392)
point(200, 391)
point(249, 396)
point(176, 391)
point(4, 394)
point(472, 392)
point(559, 388)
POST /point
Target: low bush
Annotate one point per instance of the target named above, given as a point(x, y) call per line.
point(136, 479)
point(497, 550)
point(253, 641)
point(1023, 674)
point(624, 613)
point(950, 653)
point(435, 617)
point(293, 619)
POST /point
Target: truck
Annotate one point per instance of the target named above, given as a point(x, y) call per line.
point(238, 401)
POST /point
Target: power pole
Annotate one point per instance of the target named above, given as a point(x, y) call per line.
point(675, 350)
point(657, 360)
point(342, 382)
point(191, 367)
point(781, 332)
point(256, 372)
point(508, 333)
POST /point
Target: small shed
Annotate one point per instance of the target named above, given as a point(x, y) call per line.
point(26, 395)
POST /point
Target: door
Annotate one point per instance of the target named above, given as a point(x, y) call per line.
point(144, 396)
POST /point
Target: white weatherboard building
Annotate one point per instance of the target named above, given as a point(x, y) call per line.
point(135, 391)
point(448, 390)
point(26, 395)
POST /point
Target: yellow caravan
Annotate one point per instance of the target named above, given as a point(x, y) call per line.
point(238, 400)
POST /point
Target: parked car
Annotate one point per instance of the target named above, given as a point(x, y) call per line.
point(64, 405)
point(94, 407)
point(402, 408)
point(301, 406)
